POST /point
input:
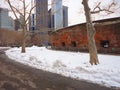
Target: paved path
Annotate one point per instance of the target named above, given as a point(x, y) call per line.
point(16, 76)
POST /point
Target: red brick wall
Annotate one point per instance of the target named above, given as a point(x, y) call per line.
point(77, 33)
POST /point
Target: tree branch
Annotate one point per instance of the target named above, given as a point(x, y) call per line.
point(98, 8)
point(30, 13)
point(18, 11)
point(8, 1)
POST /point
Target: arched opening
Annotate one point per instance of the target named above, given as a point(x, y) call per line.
point(105, 43)
point(73, 44)
point(63, 44)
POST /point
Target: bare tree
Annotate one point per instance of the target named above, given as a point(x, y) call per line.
point(90, 35)
point(108, 9)
point(90, 27)
point(24, 10)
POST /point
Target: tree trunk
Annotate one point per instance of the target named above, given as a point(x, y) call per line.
point(90, 35)
point(23, 40)
point(24, 28)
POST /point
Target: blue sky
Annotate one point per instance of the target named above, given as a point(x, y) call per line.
point(76, 12)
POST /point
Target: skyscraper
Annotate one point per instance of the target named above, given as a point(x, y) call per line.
point(32, 22)
point(57, 13)
point(41, 14)
point(41, 20)
point(65, 16)
point(6, 21)
point(51, 18)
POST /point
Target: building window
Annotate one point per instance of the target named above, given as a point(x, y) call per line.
point(105, 43)
point(63, 44)
point(73, 44)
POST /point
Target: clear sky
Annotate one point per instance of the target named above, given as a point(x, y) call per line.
point(76, 12)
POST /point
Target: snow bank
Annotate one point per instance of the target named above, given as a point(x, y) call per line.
point(71, 64)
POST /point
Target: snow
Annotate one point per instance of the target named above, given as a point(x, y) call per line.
point(71, 64)
point(4, 48)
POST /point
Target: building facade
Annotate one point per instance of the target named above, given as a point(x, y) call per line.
point(74, 38)
point(17, 24)
point(57, 13)
point(6, 21)
point(41, 14)
point(51, 18)
point(65, 16)
point(32, 22)
point(41, 20)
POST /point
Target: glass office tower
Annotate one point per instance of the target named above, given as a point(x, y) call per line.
point(57, 13)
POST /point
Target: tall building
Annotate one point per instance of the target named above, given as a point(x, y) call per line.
point(41, 20)
point(17, 24)
point(32, 22)
point(41, 14)
point(57, 14)
point(11, 23)
point(51, 18)
point(65, 16)
point(6, 21)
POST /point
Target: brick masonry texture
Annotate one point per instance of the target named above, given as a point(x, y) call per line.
point(74, 38)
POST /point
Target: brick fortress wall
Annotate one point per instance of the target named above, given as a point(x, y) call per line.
point(74, 38)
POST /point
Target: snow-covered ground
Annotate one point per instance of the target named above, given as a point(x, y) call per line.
point(71, 64)
point(4, 47)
